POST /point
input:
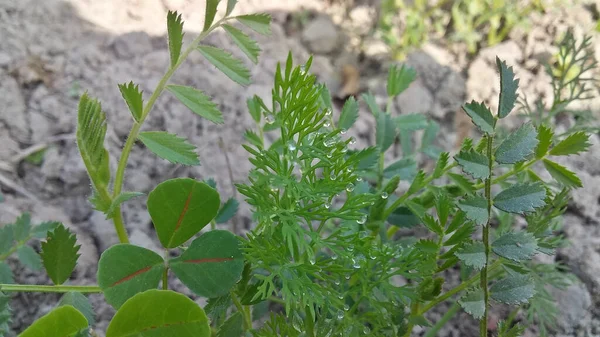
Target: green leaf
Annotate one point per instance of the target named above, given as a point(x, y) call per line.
point(514, 289)
point(125, 270)
point(175, 33)
point(562, 174)
point(170, 147)
point(230, 6)
point(475, 207)
point(212, 264)
point(232, 326)
point(29, 257)
point(180, 208)
point(209, 14)
point(386, 132)
point(225, 62)
point(133, 97)
point(22, 227)
point(406, 168)
point(441, 165)
point(121, 198)
point(481, 116)
point(349, 114)
point(403, 217)
point(473, 303)
point(462, 182)
point(253, 138)
point(227, 211)
point(427, 246)
point(399, 79)
point(370, 100)
point(521, 198)
point(244, 42)
point(41, 231)
point(518, 145)
point(255, 106)
point(216, 307)
point(6, 239)
point(81, 303)
point(508, 89)
point(573, 144)
point(474, 163)
point(6, 275)
point(64, 321)
point(260, 23)
point(163, 313)
point(411, 122)
point(544, 137)
point(198, 102)
point(472, 255)
point(462, 234)
point(417, 183)
point(516, 246)
point(60, 254)
point(506, 330)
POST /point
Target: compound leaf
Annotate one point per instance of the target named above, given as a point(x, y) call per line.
point(170, 147)
point(516, 246)
point(64, 321)
point(198, 102)
point(481, 116)
point(81, 303)
point(232, 326)
point(225, 62)
point(133, 97)
point(475, 207)
point(125, 270)
point(244, 42)
point(514, 289)
point(29, 257)
point(508, 89)
point(544, 137)
point(60, 254)
point(180, 208)
point(562, 174)
point(175, 33)
point(399, 79)
point(349, 114)
point(573, 144)
point(386, 131)
point(472, 255)
point(260, 23)
point(474, 163)
point(209, 14)
point(159, 313)
point(521, 198)
point(518, 145)
point(211, 265)
point(473, 303)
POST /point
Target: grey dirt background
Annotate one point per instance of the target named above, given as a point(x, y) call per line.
point(51, 51)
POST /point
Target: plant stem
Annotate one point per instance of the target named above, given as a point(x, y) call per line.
point(414, 310)
point(483, 328)
point(135, 130)
point(447, 317)
point(49, 289)
point(245, 313)
point(165, 277)
point(509, 173)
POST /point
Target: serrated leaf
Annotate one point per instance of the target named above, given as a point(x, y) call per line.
point(411, 122)
point(6, 239)
point(399, 79)
point(427, 246)
point(481, 116)
point(475, 208)
point(474, 163)
point(198, 102)
point(462, 234)
point(514, 289)
point(133, 97)
point(232, 326)
point(121, 198)
point(170, 147)
point(473, 303)
point(508, 89)
point(230, 6)
point(349, 114)
point(255, 107)
point(81, 303)
point(518, 145)
point(162, 313)
point(125, 270)
point(462, 182)
point(253, 138)
point(385, 133)
point(244, 42)
point(209, 14)
point(6, 274)
point(441, 165)
point(211, 265)
point(371, 103)
point(403, 217)
point(326, 97)
point(41, 231)
point(260, 23)
point(406, 168)
point(175, 33)
point(64, 321)
point(59, 254)
point(472, 255)
point(29, 257)
point(521, 198)
point(429, 136)
point(227, 211)
point(573, 144)
point(22, 227)
point(180, 208)
point(562, 174)
point(216, 307)
point(544, 137)
point(226, 63)
point(516, 246)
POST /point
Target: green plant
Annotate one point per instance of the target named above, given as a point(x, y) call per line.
point(327, 249)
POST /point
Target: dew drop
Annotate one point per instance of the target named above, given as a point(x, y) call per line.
point(350, 187)
point(346, 307)
point(270, 119)
point(359, 179)
point(362, 220)
point(347, 277)
point(384, 195)
point(352, 141)
point(337, 283)
point(327, 205)
point(355, 264)
point(329, 142)
point(292, 145)
point(329, 155)
point(332, 176)
point(328, 112)
point(312, 260)
point(344, 150)
point(340, 314)
point(302, 70)
point(366, 330)
point(334, 257)
point(349, 170)
point(343, 132)
point(350, 248)
point(341, 297)
point(327, 124)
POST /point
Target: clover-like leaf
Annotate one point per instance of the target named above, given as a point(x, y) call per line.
point(517, 246)
point(349, 114)
point(521, 198)
point(474, 163)
point(211, 265)
point(244, 42)
point(260, 23)
point(518, 145)
point(175, 33)
point(125, 270)
point(473, 303)
point(81, 303)
point(59, 254)
point(133, 97)
point(225, 62)
point(481, 116)
point(514, 289)
point(508, 89)
point(573, 144)
point(162, 313)
point(170, 147)
point(198, 102)
point(180, 208)
point(472, 255)
point(64, 321)
point(475, 207)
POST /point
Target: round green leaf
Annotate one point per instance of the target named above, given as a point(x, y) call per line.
point(211, 265)
point(159, 313)
point(64, 321)
point(125, 270)
point(180, 208)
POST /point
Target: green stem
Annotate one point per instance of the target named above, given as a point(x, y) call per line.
point(49, 289)
point(509, 173)
point(414, 311)
point(165, 277)
point(442, 322)
point(245, 314)
point(483, 327)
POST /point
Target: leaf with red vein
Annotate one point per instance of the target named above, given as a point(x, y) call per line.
point(212, 264)
point(180, 208)
point(125, 270)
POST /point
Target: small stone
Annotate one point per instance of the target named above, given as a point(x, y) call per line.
point(321, 35)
